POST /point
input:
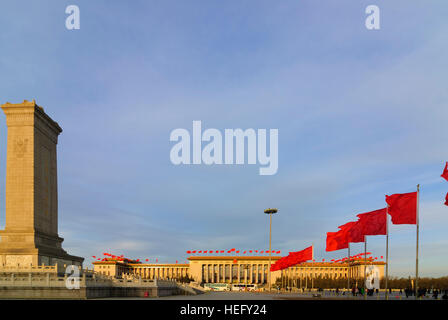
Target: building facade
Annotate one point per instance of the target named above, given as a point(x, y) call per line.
point(120, 269)
point(239, 270)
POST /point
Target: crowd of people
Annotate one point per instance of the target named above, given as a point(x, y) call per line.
point(360, 291)
point(421, 293)
point(408, 292)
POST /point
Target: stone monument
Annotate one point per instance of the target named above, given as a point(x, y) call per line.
point(31, 232)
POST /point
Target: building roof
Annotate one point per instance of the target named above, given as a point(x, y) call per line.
point(198, 258)
point(113, 262)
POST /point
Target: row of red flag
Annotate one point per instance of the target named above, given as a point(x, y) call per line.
point(233, 250)
point(111, 257)
point(402, 207)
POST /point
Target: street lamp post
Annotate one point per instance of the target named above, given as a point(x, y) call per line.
point(270, 212)
point(246, 269)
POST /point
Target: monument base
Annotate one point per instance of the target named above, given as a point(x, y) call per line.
point(25, 248)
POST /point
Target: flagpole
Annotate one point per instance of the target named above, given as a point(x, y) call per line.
point(289, 277)
point(306, 280)
point(312, 269)
point(387, 250)
point(283, 278)
point(416, 253)
point(365, 267)
point(348, 270)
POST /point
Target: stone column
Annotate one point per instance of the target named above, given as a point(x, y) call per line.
point(217, 273)
point(238, 273)
point(231, 273)
point(256, 273)
point(262, 273)
point(251, 268)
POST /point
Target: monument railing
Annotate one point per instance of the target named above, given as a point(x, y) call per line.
point(29, 268)
point(48, 277)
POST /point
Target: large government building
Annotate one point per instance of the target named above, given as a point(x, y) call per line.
point(235, 269)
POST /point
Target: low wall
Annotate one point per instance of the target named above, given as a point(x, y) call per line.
point(48, 285)
point(22, 292)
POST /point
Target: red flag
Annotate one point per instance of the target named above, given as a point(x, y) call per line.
point(194, 251)
point(278, 252)
point(444, 175)
point(446, 199)
point(374, 222)
point(147, 259)
point(336, 241)
point(293, 258)
point(222, 251)
point(403, 208)
point(302, 256)
point(188, 251)
point(353, 231)
point(282, 263)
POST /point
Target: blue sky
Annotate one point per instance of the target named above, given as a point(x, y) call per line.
point(360, 114)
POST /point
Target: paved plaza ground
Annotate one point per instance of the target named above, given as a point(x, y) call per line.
point(279, 296)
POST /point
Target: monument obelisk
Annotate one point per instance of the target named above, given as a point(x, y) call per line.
point(31, 231)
